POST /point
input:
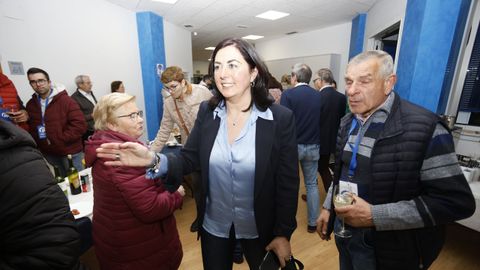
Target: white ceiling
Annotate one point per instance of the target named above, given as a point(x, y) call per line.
point(215, 20)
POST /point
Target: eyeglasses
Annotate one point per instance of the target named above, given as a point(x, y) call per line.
point(171, 88)
point(133, 116)
point(38, 82)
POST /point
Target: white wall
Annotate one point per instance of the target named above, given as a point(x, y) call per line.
point(71, 37)
point(201, 66)
point(382, 15)
point(330, 40)
point(178, 47)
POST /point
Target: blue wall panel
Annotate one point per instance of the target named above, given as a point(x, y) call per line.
point(427, 42)
point(357, 35)
point(152, 52)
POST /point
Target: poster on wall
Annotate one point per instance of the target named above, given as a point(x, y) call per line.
point(16, 68)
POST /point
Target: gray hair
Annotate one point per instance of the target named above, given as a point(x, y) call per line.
point(325, 75)
point(105, 110)
point(385, 61)
point(80, 78)
point(302, 72)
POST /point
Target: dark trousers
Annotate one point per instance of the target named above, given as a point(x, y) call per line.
point(323, 169)
point(217, 252)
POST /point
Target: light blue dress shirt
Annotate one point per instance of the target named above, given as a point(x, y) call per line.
point(232, 179)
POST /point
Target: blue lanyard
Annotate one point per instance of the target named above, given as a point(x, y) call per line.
point(46, 104)
point(353, 160)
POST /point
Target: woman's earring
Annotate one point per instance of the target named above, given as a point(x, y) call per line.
point(251, 84)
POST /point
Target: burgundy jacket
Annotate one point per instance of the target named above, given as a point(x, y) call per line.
point(64, 123)
point(133, 223)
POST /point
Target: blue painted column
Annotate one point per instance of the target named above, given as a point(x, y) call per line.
point(357, 35)
point(152, 52)
point(430, 38)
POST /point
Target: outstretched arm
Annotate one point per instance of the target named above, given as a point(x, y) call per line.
point(126, 154)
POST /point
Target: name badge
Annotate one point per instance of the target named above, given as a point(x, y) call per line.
point(346, 186)
point(42, 133)
point(4, 114)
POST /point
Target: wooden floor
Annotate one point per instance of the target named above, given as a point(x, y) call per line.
point(461, 251)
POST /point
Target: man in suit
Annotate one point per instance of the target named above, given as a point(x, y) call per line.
point(304, 101)
point(332, 106)
point(86, 100)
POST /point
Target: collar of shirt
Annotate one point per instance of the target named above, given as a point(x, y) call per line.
point(328, 85)
point(300, 83)
point(385, 107)
point(88, 95)
point(221, 111)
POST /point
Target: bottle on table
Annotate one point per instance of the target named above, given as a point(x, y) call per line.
point(73, 178)
point(60, 181)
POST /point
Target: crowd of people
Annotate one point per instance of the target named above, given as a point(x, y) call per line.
point(243, 136)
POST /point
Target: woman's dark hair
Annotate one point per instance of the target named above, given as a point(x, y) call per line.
point(259, 89)
point(273, 83)
point(35, 70)
point(115, 85)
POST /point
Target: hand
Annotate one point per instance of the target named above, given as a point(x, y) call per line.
point(181, 190)
point(19, 116)
point(125, 154)
point(359, 214)
point(322, 224)
point(281, 246)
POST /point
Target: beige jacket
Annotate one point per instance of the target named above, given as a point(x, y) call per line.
point(188, 109)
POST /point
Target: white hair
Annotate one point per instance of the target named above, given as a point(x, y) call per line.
point(385, 60)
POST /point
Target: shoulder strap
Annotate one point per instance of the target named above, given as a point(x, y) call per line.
point(180, 117)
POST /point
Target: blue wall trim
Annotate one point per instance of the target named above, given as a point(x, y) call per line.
point(152, 52)
point(454, 52)
point(357, 35)
point(427, 43)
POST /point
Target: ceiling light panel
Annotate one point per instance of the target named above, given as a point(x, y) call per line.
point(166, 1)
point(272, 15)
point(252, 37)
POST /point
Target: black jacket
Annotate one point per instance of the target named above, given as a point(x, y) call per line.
point(37, 230)
point(332, 108)
point(276, 169)
point(87, 108)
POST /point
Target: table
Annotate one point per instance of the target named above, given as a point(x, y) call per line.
point(473, 222)
point(84, 203)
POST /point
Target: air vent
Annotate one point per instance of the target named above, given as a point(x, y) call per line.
point(241, 26)
point(188, 25)
point(291, 33)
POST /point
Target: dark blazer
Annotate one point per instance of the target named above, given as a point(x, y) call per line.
point(276, 168)
point(87, 108)
point(332, 109)
point(303, 100)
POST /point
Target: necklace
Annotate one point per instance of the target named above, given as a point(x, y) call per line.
point(235, 121)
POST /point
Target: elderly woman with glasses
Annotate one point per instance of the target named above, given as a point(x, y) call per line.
point(133, 222)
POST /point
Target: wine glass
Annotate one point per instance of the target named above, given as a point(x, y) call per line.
point(12, 109)
point(342, 198)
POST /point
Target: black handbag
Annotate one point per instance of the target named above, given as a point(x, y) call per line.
point(270, 262)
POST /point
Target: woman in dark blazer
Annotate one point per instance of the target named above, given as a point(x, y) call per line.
point(246, 149)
